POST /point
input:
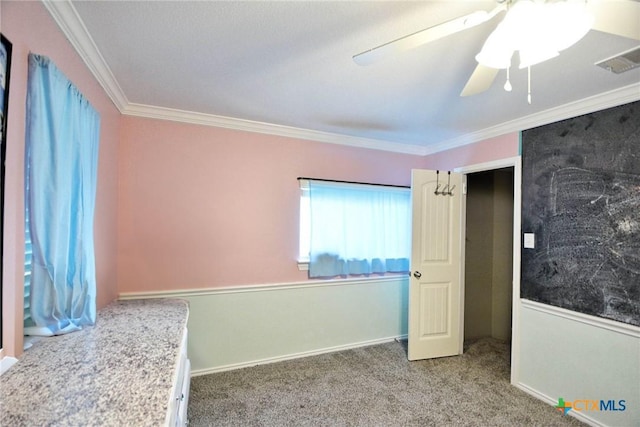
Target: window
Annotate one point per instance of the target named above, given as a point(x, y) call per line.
point(354, 229)
point(28, 256)
point(305, 224)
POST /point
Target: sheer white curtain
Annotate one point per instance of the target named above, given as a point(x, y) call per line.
point(358, 229)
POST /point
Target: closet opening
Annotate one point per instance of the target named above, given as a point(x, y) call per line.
point(489, 255)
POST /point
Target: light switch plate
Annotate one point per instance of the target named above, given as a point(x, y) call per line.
point(529, 240)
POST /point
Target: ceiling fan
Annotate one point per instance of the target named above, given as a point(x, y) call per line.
point(537, 29)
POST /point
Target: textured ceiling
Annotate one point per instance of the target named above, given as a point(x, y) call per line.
point(290, 64)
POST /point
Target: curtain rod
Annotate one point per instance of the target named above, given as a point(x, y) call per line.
point(351, 182)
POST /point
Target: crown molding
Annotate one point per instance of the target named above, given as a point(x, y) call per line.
point(192, 117)
point(76, 32)
point(614, 98)
point(594, 103)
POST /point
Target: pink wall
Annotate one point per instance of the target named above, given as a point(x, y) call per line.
point(501, 147)
point(184, 206)
point(30, 28)
point(205, 207)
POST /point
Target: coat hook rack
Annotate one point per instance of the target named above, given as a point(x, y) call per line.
point(447, 190)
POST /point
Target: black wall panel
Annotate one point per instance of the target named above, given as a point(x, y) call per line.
point(581, 198)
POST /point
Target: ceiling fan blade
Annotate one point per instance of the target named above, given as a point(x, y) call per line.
point(426, 36)
point(481, 80)
point(618, 17)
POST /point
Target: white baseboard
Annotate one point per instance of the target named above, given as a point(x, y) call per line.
point(317, 352)
point(575, 414)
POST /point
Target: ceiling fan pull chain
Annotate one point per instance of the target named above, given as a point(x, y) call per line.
point(529, 84)
point(507, 85)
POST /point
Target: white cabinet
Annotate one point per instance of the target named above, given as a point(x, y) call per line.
point(181, 419)
point(180, 392)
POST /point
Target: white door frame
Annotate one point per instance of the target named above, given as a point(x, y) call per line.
point(516, 163)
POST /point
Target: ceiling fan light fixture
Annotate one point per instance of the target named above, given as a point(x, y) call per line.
point(535, 54)
point(537, 30)
point(498, 59)
point(569, 21)
point(497, 50)
point(517, 29)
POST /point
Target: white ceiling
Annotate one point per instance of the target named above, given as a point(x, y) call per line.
point(286, 67)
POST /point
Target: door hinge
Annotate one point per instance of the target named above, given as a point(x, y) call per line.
point(464, 188)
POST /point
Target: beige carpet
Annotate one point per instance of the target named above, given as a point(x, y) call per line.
point(373, 386)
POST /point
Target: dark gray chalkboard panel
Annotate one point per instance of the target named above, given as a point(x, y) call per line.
point(581, 198)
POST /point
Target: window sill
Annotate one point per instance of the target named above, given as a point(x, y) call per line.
point(303, 265)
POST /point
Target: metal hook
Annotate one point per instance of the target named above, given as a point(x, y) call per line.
point(437, 193)
point(446, 190)
point(451, 187)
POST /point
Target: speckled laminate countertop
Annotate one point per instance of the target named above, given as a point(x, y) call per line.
point(119, 372)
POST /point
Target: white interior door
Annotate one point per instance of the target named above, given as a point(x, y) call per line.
point(437, 263)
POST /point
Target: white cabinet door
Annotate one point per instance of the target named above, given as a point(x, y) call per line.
point(182, 419)
point(180, 395)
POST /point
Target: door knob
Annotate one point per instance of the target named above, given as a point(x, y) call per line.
point(417, 274)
